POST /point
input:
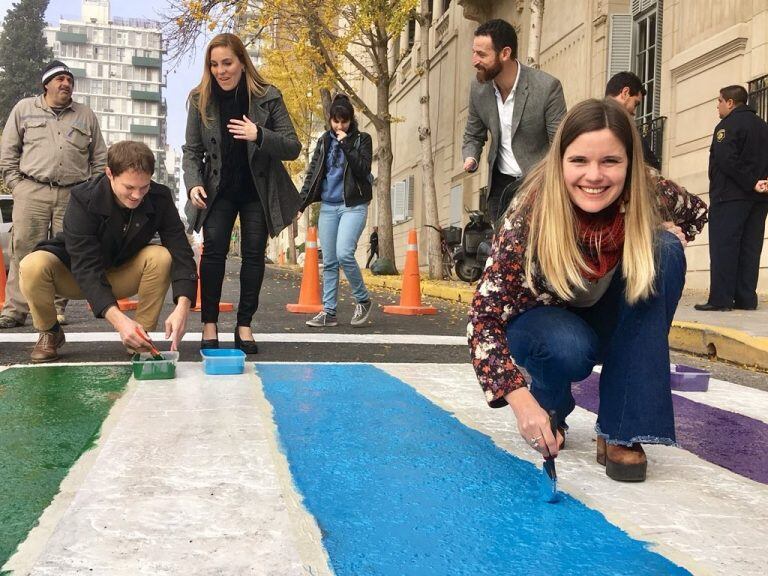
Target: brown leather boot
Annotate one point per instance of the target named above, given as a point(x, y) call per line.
point(46, 349)
point(622, 463)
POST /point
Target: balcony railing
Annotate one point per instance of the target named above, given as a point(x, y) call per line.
point(652, 132)
point(143, 129)
point(71, 37)
point(758, 96)
point(146, 96)
point(147, 62)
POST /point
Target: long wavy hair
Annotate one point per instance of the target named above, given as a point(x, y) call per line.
point(553, 242)
point(200, 95)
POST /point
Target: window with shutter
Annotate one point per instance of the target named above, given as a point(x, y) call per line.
point(620, 45)
point(410, 194)
point(398, 201)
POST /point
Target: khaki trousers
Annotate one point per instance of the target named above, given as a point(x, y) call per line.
point(148, 274)
point(38, 211)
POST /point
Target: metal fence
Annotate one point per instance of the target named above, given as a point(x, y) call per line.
point(652, 132)
point(758, 96)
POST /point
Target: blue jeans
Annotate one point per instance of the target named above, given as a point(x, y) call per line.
point(559, 346)
point(339, 229)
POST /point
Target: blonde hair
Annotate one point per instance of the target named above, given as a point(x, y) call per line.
point(553, 241)
point(200, 95)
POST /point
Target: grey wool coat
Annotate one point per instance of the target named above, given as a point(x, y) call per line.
point(202, 159)
point(539, 108)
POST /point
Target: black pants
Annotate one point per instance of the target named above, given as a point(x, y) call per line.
point(373, 252)
point(736, 231)
point(217, 232)
point(503, 189)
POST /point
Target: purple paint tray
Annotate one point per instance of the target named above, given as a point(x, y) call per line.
point(688, 379)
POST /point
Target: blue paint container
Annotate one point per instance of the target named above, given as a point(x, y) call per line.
point(223, 361)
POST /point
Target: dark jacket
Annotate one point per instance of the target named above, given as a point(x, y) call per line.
point(738, 157)
point(358, 151)
point(277, 142)
point(92, 241)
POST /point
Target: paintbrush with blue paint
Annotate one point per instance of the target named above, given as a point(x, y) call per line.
point(549, 478)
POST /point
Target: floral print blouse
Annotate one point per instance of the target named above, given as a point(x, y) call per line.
point(503, 292)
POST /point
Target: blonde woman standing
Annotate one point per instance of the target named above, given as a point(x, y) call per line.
point(238, 135)
point(588, 268)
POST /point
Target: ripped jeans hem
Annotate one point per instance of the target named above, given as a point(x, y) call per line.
point(636, 439)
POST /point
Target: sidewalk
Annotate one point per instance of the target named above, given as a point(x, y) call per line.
point(740, 336)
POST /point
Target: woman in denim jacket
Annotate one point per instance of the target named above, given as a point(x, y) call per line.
point(339, 177)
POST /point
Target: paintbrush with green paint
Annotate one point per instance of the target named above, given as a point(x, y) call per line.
point(152, 350)
point(549, 478)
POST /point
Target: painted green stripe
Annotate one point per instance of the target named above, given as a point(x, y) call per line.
point(49, 416)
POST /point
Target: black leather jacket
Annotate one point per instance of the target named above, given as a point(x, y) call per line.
point(95, 239)
point(358, 150)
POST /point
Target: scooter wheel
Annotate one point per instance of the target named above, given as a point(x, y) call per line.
point(467, 273)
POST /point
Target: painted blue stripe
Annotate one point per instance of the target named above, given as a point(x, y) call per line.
point(400, 487)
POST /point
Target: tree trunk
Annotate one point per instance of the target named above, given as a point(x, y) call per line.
point(292, 242)
point(534, 36)
point(434, 253)
point(383, 194)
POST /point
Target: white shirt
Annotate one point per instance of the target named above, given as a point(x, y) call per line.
point(505, 158)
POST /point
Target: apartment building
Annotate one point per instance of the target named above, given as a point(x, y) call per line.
point(118, 69)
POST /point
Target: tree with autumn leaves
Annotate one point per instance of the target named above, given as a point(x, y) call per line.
point(338, 43)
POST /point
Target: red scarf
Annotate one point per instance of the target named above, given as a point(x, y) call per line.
point(601, 239)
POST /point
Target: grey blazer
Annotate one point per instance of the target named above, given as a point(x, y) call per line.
point(202, 159)
point(539, 108)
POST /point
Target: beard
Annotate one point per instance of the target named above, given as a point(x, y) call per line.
point(487, 74)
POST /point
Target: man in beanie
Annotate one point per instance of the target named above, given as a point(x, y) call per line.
point(50, 143)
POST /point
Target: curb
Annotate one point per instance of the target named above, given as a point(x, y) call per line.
point(717, 342)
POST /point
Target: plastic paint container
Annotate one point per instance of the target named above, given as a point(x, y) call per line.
point(688, 379)
point(223, 360)
point(145, 368)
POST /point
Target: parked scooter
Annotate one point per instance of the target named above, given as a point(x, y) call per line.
point(475, 247)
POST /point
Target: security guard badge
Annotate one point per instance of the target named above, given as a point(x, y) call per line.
point(720, 135)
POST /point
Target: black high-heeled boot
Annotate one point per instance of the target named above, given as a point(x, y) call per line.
point(211, 343)
point(247, 346)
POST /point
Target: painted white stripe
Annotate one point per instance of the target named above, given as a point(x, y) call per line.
point(189, 477)
point(311, 244)
point(312, 337)
point(412, 247)
point(707, 519)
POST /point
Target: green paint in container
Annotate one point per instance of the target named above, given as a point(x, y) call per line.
point(146, 367)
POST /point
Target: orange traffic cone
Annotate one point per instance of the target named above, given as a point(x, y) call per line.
point(309, 296)
point(410, 294)
point(3, 279)
point(127, 304)
point(223, 306)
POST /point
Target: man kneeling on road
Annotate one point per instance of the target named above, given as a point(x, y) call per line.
point(104, 254)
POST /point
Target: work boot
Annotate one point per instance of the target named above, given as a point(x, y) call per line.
point(622, 463)
point(7, 322)
point(46, 349)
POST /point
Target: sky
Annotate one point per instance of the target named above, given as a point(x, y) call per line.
point(181, 79)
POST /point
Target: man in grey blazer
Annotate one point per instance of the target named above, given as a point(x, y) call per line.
point(520, 106)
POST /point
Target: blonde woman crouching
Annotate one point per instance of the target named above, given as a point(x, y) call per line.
point(587, 269)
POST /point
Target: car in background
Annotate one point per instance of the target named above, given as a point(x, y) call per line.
point(6, 209)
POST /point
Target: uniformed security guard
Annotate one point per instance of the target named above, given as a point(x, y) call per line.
point(50, 143)
point(738, 167)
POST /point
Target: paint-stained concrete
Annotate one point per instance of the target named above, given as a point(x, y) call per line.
point(701, 516)
point(189, 481)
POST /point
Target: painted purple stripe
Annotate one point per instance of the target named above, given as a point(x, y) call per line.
point(730, 440)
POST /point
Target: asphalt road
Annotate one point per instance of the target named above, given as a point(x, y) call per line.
point(272, 320)
point(280, 288)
